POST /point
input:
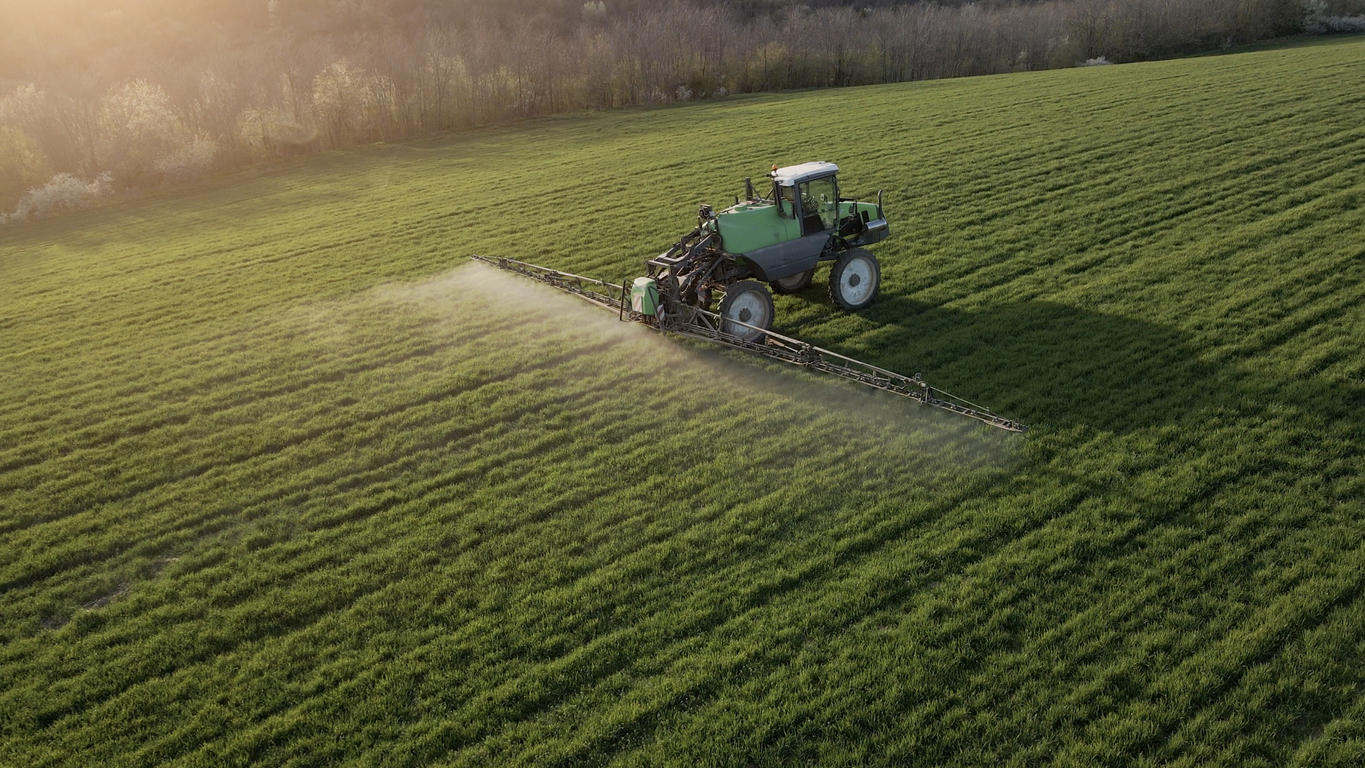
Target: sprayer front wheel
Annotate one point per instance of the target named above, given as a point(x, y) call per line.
point(792, 283)
point(750, 303)
point(854, 279)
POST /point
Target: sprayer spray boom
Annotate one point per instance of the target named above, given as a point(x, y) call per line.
point(643, 303)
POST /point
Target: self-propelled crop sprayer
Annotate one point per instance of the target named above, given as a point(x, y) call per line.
point(778, 239)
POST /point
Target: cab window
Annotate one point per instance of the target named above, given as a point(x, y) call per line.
point(819, 206)
point(786, 201)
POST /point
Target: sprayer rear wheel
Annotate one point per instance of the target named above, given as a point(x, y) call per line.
point(854, 279)
point(792, 283)
point(749, 302)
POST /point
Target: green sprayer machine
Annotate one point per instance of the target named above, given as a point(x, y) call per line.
point(777, 239)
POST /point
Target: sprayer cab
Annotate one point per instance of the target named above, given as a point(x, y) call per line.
point(772, 243)
point(810, 192)
point(800, 221)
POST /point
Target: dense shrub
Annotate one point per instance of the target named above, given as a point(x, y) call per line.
point(1319, 19)
point(189, 159)
point(63, 192)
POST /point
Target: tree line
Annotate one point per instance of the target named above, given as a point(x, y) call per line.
point(263, 80)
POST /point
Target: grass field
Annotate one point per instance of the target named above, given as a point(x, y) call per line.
point(283, 480)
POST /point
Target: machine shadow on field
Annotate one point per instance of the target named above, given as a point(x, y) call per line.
point(1048, 364)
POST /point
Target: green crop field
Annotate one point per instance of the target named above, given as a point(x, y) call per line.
point(285, 480)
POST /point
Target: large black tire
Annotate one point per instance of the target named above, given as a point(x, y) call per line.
point(747, 301)
point(855, 279)
point(793, 283)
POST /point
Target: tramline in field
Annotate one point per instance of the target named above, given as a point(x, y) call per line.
point(778, 239)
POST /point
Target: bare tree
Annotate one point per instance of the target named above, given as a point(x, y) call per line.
point(296, 76)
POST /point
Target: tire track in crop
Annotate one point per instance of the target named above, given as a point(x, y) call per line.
point(47, 392)
point(256, 396)
point(985, 559)
point(475, 330)
point(847, 553)
point(558, 400)
point(1266, 637)
point(429, 397)
point(92, 504)
point(1187, 212)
